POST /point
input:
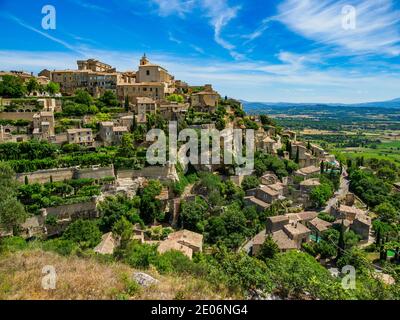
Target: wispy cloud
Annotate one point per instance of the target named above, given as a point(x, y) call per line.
point(173, 39)
point(258, 32)
point(90, 6)
point(169, 7)
point(44, 34)
point(376, 29)
point(219, 13)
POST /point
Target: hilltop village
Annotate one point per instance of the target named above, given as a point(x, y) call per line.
point(73, 153)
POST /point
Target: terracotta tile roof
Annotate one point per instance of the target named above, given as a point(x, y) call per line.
point(310, 182)
point(320, 225)
point(307, 215)
point(268, 190)
point(309, 170)
point(257, 202)
point(348, 209)
point(107, 244)
point(283, 241)
point(296, 229)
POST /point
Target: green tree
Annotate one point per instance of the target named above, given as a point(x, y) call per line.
point(250, 182)
point(85, 233)
point(12, 87)
point(113, 208)
point(269, 249)
point(193, 214)
point(123, 229)
point(321, 194)
point(175, 98)
point(387, 212)
point(109, 99)
point(32, 85)
point(150, 207)
point(83, 97)
point(12, 212)
point(52, 88)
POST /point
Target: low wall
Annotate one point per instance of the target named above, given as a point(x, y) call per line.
point(95, 172)
point(43, 176)
point(85, 210)
point(17, 115)
point(61, 174)
point(164, 173)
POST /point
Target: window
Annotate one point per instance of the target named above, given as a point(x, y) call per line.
point(147, 72)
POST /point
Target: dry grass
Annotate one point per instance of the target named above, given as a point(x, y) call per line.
point(88, 279)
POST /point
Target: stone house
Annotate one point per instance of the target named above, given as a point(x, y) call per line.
point(185, 241)
point(206, 100)
point(307, 172)
point(111, 134)
point(82, 136)
point(107, 245)
point(43, 126)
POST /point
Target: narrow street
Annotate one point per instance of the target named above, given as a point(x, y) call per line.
point(343, 190)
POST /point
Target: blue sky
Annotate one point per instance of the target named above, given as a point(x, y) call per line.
point(256, 50)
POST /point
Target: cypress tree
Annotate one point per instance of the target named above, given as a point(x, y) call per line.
point(322, 167)
point(341, 243)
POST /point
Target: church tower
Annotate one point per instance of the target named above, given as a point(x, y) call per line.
point(144, 60)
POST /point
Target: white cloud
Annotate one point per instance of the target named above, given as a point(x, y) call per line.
point(376, 32)
point(173, 39)
point(170, 7)
point(219, 13)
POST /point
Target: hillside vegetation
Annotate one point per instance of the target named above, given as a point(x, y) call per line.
point(88, 278)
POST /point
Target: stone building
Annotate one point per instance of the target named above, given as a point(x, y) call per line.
point(151, 81)
point(111, 134)
point(185, 241)
point(43, 126)
point(206, 100)
point(81, 136)
point(92, 75)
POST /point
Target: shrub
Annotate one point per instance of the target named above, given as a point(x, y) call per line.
point(139, 255)
point(86, 233)
point(12, 244)
point(60, 246)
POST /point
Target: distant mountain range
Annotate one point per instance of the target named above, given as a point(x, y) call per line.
point(259, 106)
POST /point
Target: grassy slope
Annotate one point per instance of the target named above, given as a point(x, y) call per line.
point(87, 278)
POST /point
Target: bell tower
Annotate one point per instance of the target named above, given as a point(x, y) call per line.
point(144, 60)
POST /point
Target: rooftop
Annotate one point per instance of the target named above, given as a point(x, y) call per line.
point(269, 191)
point(296, 229)
point(348, 209)
point(107, 244)
point(257, 202)
point(72, 131)
point(320, 225)
point(283, 241)
point(309, 170)
point(310, 182)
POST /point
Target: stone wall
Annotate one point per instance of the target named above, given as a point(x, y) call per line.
point(17, 115)
point(61, 174)
point(164, 173)
point(84, 210)
point(95, 172)
point(43, 176)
